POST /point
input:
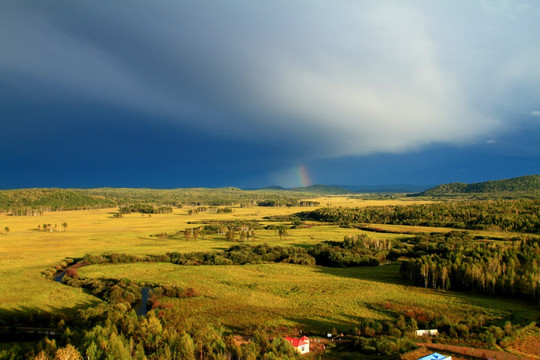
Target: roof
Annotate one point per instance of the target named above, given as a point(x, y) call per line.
point(434, 356)
point(298, 342)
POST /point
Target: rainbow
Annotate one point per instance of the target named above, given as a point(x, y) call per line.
point(303, 176)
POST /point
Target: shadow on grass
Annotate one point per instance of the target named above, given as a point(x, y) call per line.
point(321, 327)
point(520, 310)
point(26, 323)
point(24, 315)
point(385, 274)
point(305, 246)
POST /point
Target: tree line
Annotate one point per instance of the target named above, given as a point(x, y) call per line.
point(490, 268)
point(350, 252)
point(22, 202)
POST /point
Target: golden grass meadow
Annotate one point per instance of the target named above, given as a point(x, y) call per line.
point(272, 294)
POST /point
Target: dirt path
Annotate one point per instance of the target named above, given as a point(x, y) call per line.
point(528, 344)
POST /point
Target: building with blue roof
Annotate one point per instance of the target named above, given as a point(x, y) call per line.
point(436, 356)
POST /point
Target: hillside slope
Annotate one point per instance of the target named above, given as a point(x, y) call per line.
point(523, 185)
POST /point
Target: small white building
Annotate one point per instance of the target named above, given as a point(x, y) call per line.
point(427, 332)
point(436, 356)
point(302, 344)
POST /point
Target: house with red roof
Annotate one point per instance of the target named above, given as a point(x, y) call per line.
point(302, 344)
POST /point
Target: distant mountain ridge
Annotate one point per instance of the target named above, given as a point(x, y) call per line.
point(318, 189)
point(388, 188)
point(348, 189)
point(323, 189)
point(523, 184)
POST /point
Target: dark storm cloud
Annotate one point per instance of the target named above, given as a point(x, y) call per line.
point(320, 79)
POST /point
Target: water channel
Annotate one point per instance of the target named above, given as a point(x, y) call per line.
point(58, 276)
point(140, 306)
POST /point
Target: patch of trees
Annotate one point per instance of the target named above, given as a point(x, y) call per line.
point(507, 215)
point(436, 243)
point(210, 209)
point(357, 250)
point(490, 268)
point(243, 254)
point(119, 258)
point(351, 252)
point(112, 291)
point(287, 202)
point(274, 203)
point(52, 228)
point(244, 233)
point(308, 203)
point(217, 226)
point(232, 230)
point(145, 209)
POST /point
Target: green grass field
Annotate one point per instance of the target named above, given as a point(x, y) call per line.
point(240, 295)
point(316, 298)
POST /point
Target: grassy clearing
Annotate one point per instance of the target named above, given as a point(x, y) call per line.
point(410, 229)
point(316, 298)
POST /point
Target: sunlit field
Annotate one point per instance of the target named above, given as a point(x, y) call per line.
point(315, 298)
point(27, 251)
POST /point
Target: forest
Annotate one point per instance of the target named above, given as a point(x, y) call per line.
point(509, 269)
point(506, 215)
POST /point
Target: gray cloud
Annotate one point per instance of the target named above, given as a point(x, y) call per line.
point(342, 78)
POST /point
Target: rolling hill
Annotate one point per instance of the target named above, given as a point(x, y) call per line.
point(524, 185)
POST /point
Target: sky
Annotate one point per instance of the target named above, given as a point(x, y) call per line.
point(169, 94)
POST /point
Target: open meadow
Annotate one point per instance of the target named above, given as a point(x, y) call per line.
point(313, 298)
